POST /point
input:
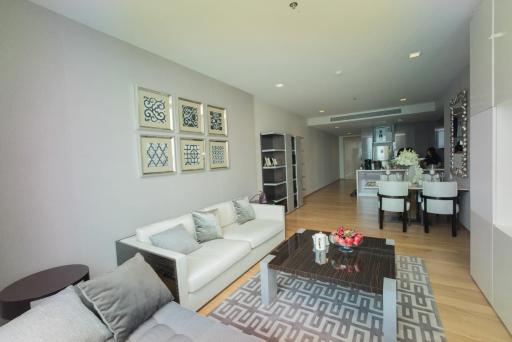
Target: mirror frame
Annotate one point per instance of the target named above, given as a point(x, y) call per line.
point(459, 102)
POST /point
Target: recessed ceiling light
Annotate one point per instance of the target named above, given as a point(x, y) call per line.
point(399, 120)
point(336, 126)
point(338, 72)
point(349, 133)
point(403, 99)
point(279, 85)
point(321, 111)
point(415, 54)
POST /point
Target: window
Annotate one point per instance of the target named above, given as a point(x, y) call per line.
point(439, 137)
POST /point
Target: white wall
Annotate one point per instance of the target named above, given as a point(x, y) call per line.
point(460, 83)
point(321, 158)
point(69, 170)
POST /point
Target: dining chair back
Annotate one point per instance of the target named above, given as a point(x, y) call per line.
point(440, 198)
point(393, 197)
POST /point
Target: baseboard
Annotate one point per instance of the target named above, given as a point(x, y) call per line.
point(325, 186)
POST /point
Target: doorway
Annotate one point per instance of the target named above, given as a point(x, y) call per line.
point(351, 156)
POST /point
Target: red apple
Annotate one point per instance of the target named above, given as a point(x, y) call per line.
point(349, 241)
point(357, 240)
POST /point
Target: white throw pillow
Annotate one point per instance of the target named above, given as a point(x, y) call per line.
point(60, 318)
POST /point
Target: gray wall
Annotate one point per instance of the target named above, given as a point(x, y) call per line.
point(321, 157)
point(460, 83)
point(68, 141)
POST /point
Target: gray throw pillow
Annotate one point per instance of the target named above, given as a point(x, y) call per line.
point(126, 297)
point(59, 318)
point(175, 239)
point(244, 211)
point(207, 226)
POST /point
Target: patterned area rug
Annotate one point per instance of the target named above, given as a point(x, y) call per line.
point(309, 310)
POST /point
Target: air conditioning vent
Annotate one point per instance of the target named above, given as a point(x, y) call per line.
point(354, 116)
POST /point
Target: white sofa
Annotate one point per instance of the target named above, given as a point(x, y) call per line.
point(201, 275)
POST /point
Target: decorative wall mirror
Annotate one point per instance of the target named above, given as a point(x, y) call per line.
point(459, 134)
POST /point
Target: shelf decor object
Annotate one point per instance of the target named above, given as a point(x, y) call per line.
point(190, 116)
point(154, 109)
point(217, 121)
point(157, 154)
point(192, 154)
point(219, 154)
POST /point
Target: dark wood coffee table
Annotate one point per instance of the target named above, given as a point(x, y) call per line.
point(15, 299)
point(370, 267)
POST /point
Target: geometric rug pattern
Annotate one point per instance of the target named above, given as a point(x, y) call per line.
point(312, 310)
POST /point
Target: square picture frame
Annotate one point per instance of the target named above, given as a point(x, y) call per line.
point(217, 120)
point(219, 154)
point(154, 109)
point(157, 154)
point(192, 154)
point(190, 116)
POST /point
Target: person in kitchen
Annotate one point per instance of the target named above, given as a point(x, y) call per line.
point(432, 158)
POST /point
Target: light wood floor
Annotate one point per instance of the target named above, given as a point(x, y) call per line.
point(465, 313)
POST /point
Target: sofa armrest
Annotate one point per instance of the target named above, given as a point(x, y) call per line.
point(269, 212)
point(170, 266)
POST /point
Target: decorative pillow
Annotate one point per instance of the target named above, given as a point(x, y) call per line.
point(207, 226)
point(244, 211)
point(127, 297)
point(60, 318)
point(175, 239)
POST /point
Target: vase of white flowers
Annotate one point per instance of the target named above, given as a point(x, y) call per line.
point(410, 160)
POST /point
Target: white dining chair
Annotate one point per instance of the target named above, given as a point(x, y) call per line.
point(440, 198)
point(394, 197)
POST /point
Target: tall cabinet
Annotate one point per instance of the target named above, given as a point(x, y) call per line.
point(282, 180)
point(490, 162)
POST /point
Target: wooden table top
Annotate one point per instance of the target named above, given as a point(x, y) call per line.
point(15, 298)
point(365, 268)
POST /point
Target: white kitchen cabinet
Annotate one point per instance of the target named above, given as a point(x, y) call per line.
point(502, 50)
point(481, 185)
point(481, 59)
point(502, 256)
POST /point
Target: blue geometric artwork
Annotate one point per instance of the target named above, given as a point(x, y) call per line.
point(190, 117)
point(192, 154)
point(157, 154)
point(154, 109)
point(218, 154)
point(217, 120)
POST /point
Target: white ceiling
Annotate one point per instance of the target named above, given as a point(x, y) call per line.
point(253, 45)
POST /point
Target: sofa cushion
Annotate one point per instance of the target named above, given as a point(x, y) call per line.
point(213, 258)
point(126, 297)
point(255, 232)
point(188, 323)
point(244, 211)
point(226, 213)
point(143, 233)
point(60, 318)
point(175, 239)
point(207, 226)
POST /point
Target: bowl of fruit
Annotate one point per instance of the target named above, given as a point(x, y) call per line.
point(346, 239)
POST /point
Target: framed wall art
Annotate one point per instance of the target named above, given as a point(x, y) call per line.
point(192, 154)
point(157, 154)
point(217, 121)
point(219, 154)
point(190, 116)
point(154, 109)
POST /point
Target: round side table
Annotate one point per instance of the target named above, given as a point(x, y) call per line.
point(15, 299)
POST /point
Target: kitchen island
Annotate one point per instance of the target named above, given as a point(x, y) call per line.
point(365, 176)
